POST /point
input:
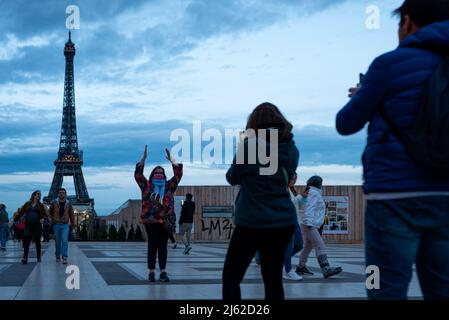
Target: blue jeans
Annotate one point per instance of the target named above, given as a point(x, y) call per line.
point(3, 236)
point(61, 239)
point(296, 244)
point(402, 232)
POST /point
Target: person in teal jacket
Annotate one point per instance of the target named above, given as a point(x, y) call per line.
point(264, 214)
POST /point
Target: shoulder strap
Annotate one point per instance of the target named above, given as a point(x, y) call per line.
point(389, 121)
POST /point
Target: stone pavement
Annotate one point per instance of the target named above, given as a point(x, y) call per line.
point(115, 270)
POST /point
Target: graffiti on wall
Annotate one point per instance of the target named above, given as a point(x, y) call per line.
point(224, 227)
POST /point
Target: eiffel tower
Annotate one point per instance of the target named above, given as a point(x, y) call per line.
point(70, 158)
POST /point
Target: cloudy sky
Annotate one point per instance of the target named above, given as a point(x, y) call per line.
point(146, 68)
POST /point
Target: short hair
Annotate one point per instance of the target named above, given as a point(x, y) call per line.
point(424, 12)
point(315, 181)
point(189, 196)
point(65, 191)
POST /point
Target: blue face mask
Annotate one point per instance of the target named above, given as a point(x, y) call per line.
point(159, 189)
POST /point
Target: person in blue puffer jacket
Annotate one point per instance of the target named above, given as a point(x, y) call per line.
point(407, 213)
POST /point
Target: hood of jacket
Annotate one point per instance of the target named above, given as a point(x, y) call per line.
point(432, 37)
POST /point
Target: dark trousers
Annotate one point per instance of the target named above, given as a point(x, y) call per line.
point(26, 245)
point(157, 245)
point(271, 244)
point(399, 233)
point(172, 238)
point(46, 233)
point(295, 245)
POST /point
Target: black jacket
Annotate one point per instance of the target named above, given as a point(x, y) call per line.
point(187, 212)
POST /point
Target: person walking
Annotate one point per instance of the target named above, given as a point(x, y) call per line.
point(186, 222)
point(257, 259)
point(4, 226)
point(32, 215)
point(296, 243)
point(62, 218)
point(404, 94)
point(158, 211)
point(172, 239)
point(46, 229)
point(18, 227)
point(264, 215)
point(312, 219)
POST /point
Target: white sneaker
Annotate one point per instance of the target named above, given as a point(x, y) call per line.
point(292, 275)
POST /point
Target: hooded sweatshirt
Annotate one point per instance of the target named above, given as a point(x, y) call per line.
point(314, 209)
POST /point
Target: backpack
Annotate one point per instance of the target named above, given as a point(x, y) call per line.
point(427, 140)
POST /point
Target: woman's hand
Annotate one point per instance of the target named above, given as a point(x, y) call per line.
point(353, 90)
point(169, 157)
point(145, 153)
point(144, 157)
point(305, 193)
point(41, 221)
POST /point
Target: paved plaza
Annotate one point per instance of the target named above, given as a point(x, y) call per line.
point(115, 270)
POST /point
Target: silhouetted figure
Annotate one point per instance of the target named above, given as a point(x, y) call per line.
point(32, 214)
point(4, 226)
point(131, 233)
point(264, 214)
point(138, 236)
point(404, 100)
point(186, 222)
point(296, 243)
point(46, 229)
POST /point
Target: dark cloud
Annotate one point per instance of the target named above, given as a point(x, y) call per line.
point(106, 45)
point(122, 144)
point(28, 18)
point(25, 187)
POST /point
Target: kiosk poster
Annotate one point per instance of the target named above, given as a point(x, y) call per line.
point(336, 220)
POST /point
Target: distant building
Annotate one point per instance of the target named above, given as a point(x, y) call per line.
point(215, 204)
point(126, 215)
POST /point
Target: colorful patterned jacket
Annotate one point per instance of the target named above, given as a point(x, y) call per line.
point(152, 210)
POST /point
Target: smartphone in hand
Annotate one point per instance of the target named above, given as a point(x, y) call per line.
point(353, 91)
